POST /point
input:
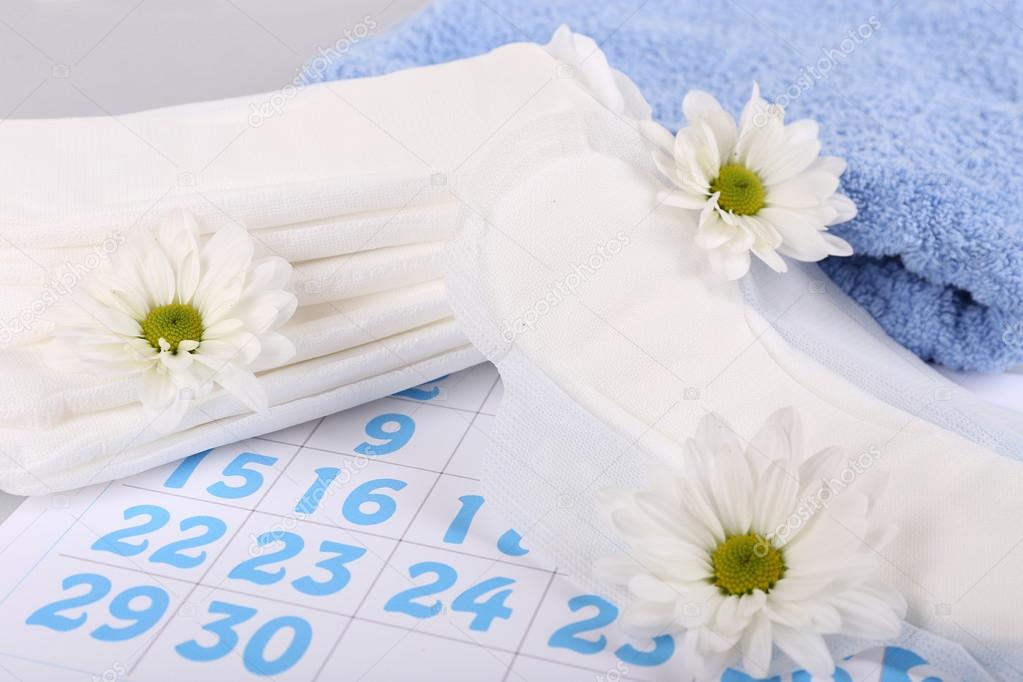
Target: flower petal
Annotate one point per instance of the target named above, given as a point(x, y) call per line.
point(731, 264)
point(843, 206)
point(799, 231)
point(680, 198)
point(648, 619)
point(658, 135)
point(807, 649)
point(243, 385)
point(712, 232)
point(756, 646)
point(836, 245)
point(697, 103)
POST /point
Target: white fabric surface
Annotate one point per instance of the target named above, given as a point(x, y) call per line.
point(348, 182)
point(607, 358)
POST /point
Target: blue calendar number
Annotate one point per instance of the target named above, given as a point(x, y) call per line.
point(239, 467)
point(896, 666)
point(472, 600)
point(404, 602)
point(179, 477)
point(339, 575)
point(291, 545)
point(510, 543)
point(174, 554)
point(486, 610)
point(50, 615)
point(252, 571)
point(243, 469)
point(381, 505)
point(421, 392)
point(571, 636)
point(393, 438)
point(254, 656)
point(125, 606)
point(157, 518)
point(310, 502)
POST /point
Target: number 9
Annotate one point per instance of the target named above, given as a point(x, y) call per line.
point(393, 440)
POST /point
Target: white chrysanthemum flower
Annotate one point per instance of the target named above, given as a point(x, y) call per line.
point(746, 548)
point(758, 187)
point(182, 316)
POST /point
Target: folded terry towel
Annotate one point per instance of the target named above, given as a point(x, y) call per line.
point(912, 95)
point(347, 182)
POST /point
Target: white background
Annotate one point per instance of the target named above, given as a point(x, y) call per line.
point(91, 57)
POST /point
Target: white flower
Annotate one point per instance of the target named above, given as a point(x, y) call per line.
point(180, 316)
point(758, 187)
point(747, 548)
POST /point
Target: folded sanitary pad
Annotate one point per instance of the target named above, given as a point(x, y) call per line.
point(913, 96)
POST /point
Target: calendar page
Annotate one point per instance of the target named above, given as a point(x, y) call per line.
point(355, 547)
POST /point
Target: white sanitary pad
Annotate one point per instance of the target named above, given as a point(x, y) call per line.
point(613, 339)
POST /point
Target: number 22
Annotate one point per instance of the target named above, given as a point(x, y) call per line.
point(173, 553)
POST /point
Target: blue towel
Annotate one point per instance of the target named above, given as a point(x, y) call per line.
point(922, 98)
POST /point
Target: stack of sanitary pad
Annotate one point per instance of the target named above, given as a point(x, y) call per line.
point(348, 182)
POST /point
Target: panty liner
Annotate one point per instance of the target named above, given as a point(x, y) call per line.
point(613, 339)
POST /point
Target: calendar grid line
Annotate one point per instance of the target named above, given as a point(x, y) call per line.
point(539, 605)
point(348, 454)
point(509, 669)
point(529, 625)
point(213, 560)
point(505, 650)
point(415, 543)
point(341, 453)
point(353, 531)
point(344, 528)
point(447, 407)
point(386, 561)
point(523, 654)
point(11, 675)
point(56, 542)
point(443, 473)
point(305, 446)
point(398, 544)
point(60, 666)
point(219, 587)
point(22, 532)
point(444, 469)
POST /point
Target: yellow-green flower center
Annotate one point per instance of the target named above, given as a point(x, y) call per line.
point(744, 563)
point(175, 322)
point(742, 193)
